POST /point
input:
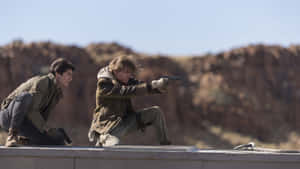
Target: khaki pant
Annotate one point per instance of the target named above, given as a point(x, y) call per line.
point(152, 115)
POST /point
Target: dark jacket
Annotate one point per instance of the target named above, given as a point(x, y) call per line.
point(113, 100)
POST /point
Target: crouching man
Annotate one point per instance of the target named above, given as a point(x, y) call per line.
point(114, 116)
point(25, 111)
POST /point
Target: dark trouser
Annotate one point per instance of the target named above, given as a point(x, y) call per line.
point(14, 116)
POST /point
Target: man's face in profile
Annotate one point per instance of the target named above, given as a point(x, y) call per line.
point(65, 78)
point(124, 75)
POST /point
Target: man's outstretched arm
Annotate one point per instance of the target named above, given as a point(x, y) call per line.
point(106, 88)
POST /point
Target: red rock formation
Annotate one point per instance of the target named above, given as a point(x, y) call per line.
point(254, 90)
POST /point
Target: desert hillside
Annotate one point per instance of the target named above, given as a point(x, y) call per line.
point(247, 93)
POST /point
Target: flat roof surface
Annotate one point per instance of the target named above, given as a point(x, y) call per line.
point(149, 152)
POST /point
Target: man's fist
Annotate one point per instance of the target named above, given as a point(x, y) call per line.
point(160, 84)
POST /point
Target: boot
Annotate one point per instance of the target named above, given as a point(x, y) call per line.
point(98, 143)
point(12, 138)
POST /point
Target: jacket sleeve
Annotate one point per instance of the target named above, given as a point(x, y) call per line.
point(133, 81)
point(38, 91)
point(107, 89)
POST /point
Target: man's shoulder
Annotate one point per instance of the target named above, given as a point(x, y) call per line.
point(40, 79)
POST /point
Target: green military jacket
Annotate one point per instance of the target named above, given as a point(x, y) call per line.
point(45, 95)
point(113, 101)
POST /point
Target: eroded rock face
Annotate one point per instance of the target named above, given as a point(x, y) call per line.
point(252, 90)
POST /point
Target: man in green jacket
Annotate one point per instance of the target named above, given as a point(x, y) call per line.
point(114, 115)
point(25, 111)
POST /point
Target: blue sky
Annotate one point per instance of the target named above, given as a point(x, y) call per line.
point(171, 27)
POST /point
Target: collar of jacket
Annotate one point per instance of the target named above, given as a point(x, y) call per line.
point(105, 73)
point(54, 81)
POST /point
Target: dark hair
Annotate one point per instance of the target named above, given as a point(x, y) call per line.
point(60, 66)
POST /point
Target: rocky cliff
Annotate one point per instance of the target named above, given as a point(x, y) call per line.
point(252, 90)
